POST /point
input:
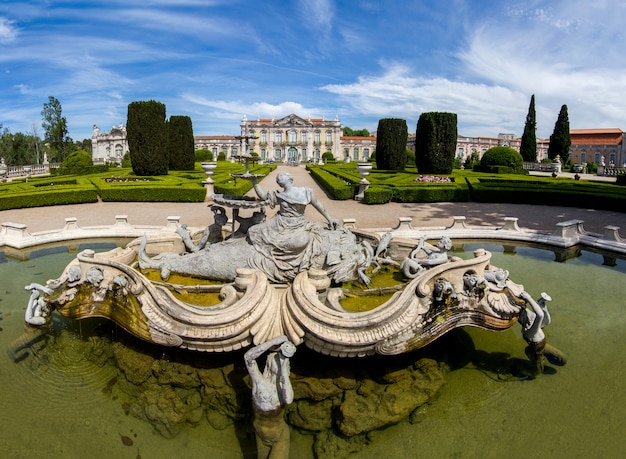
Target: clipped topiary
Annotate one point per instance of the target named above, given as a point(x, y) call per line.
point(79, 162)
point(502, 156)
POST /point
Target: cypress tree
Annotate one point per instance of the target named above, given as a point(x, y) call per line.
point(435, 142)
point(147, 136)
point(391, 140)
point(560, 140)
point(528, 147)
point(180, 144)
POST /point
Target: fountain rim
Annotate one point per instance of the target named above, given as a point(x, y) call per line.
point(566, 234)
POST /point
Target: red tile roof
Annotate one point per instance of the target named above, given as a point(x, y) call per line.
point(608, 136)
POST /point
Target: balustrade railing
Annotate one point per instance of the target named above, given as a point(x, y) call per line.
point(29, 170)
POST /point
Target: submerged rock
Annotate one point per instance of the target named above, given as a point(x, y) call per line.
point(374, 405)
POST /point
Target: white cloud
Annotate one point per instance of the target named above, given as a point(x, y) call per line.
point(8, 32)
point(236, 109)
point(318, 13)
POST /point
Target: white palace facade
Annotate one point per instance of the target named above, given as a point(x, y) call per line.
point(290, 139)
point(108, 147)
point(296, 139)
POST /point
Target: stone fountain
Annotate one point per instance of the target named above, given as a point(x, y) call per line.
point(285, 276)
point(284, 280)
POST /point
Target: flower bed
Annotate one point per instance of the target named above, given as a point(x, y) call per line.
point(122, 179)
point(432, 179)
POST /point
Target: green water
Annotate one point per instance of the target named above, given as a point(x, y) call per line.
point(59, 407)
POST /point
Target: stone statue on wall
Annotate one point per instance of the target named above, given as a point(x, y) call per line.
point(412, 265)
point(271, 392)
point(533, 320)
point(37, 311)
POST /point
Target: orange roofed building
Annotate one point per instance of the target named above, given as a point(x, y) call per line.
point(591, 145)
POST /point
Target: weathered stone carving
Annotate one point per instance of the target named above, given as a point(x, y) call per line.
point(279, 279)
point(271, 392)
point(281, 247)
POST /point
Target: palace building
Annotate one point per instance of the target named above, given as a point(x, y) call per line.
point(108, 147)
point(594, 145)
point(296, 139)
point(290, 139)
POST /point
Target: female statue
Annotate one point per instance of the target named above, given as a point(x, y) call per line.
point(280, 247)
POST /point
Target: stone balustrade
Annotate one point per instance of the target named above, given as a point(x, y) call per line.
point(566, 234)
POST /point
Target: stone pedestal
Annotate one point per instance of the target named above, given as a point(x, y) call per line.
point(209, 183)
point(364, 171)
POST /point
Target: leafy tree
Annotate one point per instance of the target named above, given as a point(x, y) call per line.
point(203, 155)
point(528, 147)
point(180, 143)
point(391, 144)
point(502, 156)
point(471, 160)
point(55, 126)
point(78, 162)
point(328, 156)
point(410, 157)
point(85, 145)
point(17, 149)
point(435, 142)
point(147, 136)
point(356, 133)
point(560, 140)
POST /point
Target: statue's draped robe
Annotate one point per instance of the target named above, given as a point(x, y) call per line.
point(288, 243)
point(280, 247)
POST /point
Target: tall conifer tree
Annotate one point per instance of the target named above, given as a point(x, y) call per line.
point(180, 144)
point(391, 140)
point(435, 142)
point(147, 137)
point(528, 147)
point(560, 140)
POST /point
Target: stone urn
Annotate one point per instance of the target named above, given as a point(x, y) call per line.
point(364, 170)
point(209, 169)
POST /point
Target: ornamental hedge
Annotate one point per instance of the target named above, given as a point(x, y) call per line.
point(551, 192)
point(49, 191)
point(336, 187)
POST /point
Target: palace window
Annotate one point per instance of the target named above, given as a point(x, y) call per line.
point(293, 136)
point(317, 137)
point(366, 154)
point(278, 137)
point(356, 153)
point(303, 136)
point(329, 137)
point(263, 137)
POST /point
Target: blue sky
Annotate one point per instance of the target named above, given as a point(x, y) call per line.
point(361, 60)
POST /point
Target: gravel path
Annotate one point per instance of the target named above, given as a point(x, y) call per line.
point(367, 216)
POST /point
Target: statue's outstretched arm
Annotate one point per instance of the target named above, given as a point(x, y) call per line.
point(258, 190)
point(257, 351)
point(334, 224)
point(286, 390)
point(539, 314)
